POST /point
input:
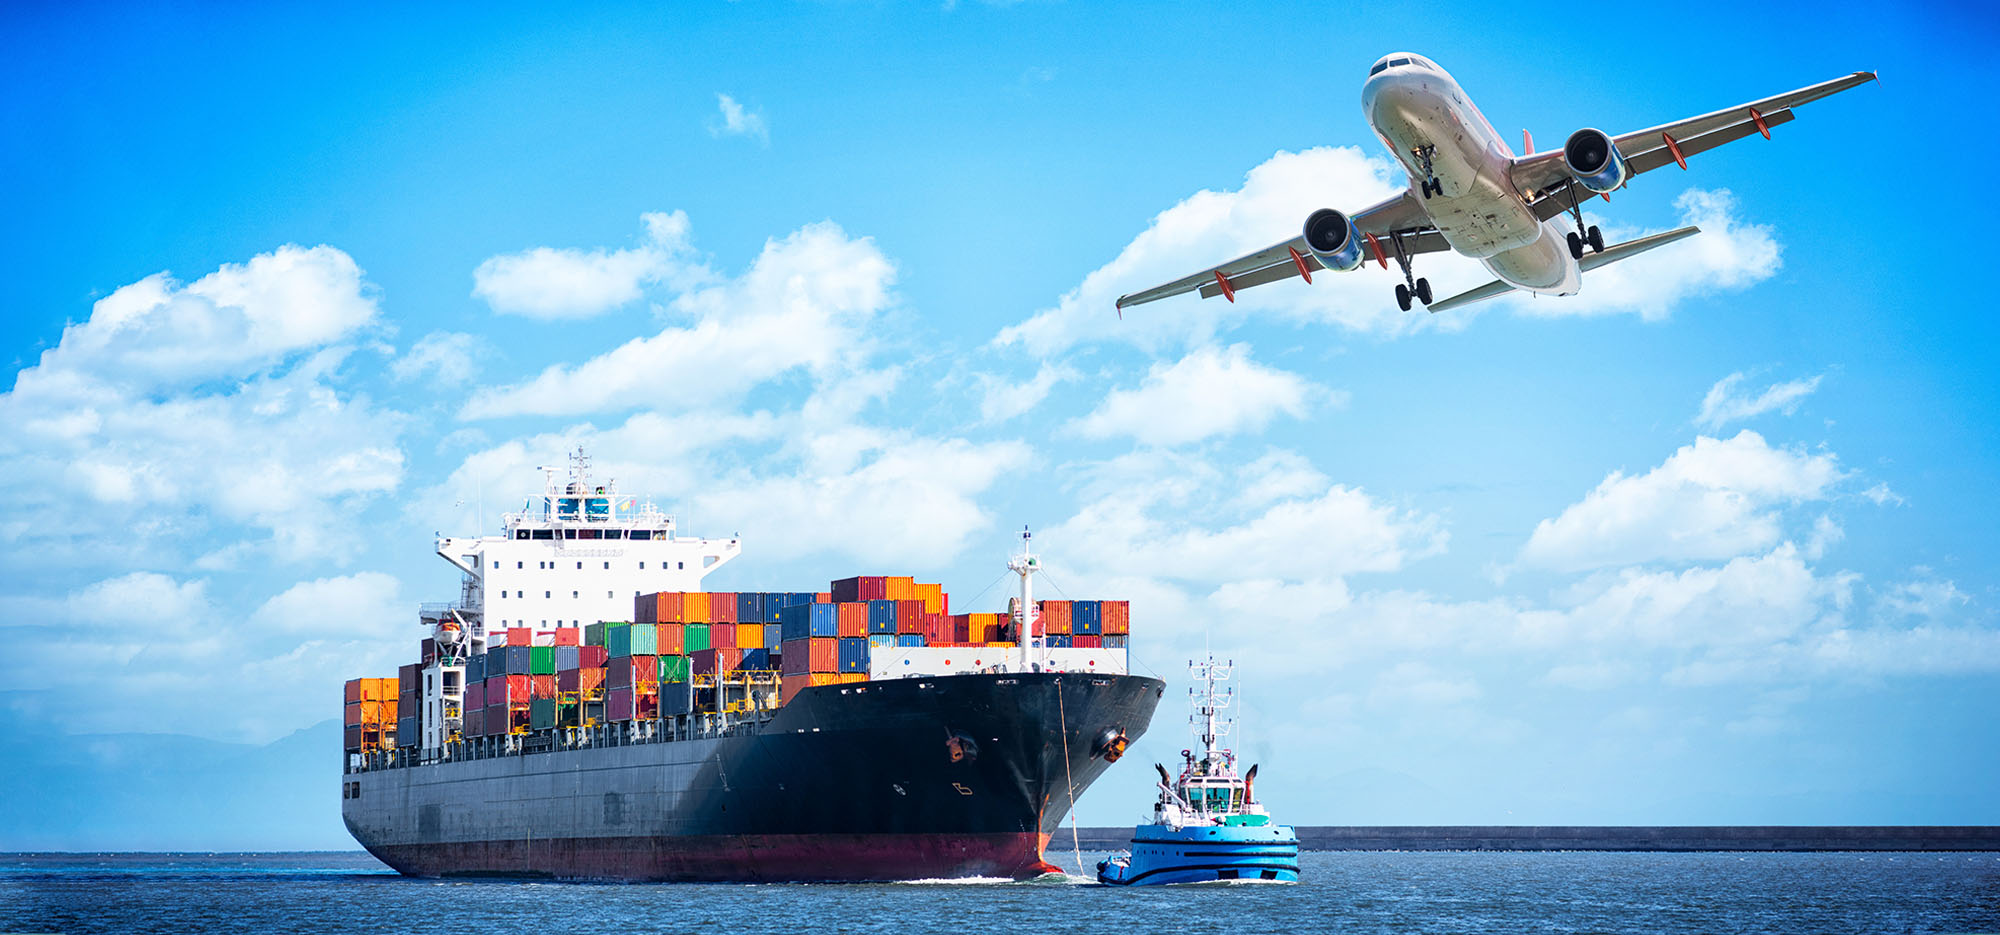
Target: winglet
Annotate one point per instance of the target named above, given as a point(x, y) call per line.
point(1527, 142)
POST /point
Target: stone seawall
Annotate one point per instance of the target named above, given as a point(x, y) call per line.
point(1614, 838)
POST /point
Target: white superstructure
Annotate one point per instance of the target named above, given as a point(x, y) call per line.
point(578, 556)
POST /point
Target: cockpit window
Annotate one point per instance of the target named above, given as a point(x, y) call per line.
point(1398, 61)
point(1379, 68)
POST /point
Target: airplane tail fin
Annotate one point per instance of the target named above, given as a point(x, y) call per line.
point(1590, 261)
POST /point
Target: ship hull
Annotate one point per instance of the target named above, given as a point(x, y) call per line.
point(955, 776)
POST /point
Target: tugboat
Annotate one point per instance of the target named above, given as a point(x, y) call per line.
point(1207, 825)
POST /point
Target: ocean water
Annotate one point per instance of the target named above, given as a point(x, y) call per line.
point(1342, 892)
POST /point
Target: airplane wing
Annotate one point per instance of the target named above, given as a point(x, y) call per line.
point(1399, 214)
point(1542, 177)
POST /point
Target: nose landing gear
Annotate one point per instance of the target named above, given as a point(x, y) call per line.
point(1432, 184)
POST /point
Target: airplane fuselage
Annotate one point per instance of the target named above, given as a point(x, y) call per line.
point(1419, 111)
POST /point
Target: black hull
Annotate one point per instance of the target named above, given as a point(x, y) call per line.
point(943, 777)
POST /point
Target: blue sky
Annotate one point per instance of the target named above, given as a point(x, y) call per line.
point(1709, 543)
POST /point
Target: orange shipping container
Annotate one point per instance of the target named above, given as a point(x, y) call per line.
point(900, 589)
point(790, 685)
point(569, 636)
point(1117, 617)
point(667, 607)
point(853, 619)
point(694, 607)
point(822, 597)
point(1056, 616)
point(749, 636)
point(722, 607)
point(672, 639)
point(590, 683)
point(933, 597)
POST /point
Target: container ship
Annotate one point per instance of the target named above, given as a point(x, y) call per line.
point(586, 711)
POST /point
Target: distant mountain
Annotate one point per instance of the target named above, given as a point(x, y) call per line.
point(161, 792)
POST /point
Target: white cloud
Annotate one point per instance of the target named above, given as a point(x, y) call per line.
point(157, 333)
point(1728, 255)
point(1711, 500)
point(1209, 392)
point(1414, 683)
point(736, 121)
point(1726, 402)
point(1924, 597)
point(1002, 398)
point(364, 606)
point(551, 284)
point(442, 358)
point(803, 304)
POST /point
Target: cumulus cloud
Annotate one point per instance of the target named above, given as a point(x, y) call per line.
point(1212, 391)
point(1002, 398)
point(802, 305)
point(1727, 401)
point(1713, 499)
point(442, 358)
point(549, 283)
point(735, 120)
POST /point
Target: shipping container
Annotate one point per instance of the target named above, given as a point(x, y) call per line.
point(882, 639)
point(474, 722)
point(716, 661)
point(749, 635)
point(638, 639)
point(1081, 641)
point(409, 679)
point(909, 616)
point(722, 607)
point(618, 704)
point(351, 714)
point(750, 607)
point(899, 589)
point(811, 655)
point(593, 633)
point(667, 607)
point(755, 660)
point(630, 671)
point(568, 636)
point(568, 658)
point(520, 636)
point(789, 686)
point(541, 686)
point(674, 669)
point(592, 657)
point(932, 596)
point(881, 617)
point(427, 651)
point(853, 654)
point(694, 636)
point(670, 639)
point(676, 697)
point(1117, 617)
point(475, 668)
point(520, 660)
point(1056, 617)
point(475, 695)
point(722, 636)
point(1116, 641)
point(805, 621)
point(1087, 618)
point(542, 660)
point(694, 608)
point(542, 714)
point(805, 597)
point(853, 620)
point(1057, 641)
point(774, 636)
point(568, 680)
point(909, 639)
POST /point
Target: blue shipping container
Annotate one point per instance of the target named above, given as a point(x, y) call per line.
point(807, 620)
point(804, 598)
point(882, 640)
point(475, 669)
point(881, 617)
point(676, 698)
point(1116, 641)
point(757, 660)
point(1086, 618)
point(1056, 641)
point(853, 652)
point(567, 658)
point(909, 639)
point(750, 607)
point(519, 659)
point(774, 633)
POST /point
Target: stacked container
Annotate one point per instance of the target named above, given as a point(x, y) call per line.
point(370, 714)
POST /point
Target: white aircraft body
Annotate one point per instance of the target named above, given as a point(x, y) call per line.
point(1470, 193)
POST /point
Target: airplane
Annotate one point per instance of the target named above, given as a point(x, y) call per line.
point(1470, 193)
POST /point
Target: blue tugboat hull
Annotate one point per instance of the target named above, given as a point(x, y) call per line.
point(1205, 854)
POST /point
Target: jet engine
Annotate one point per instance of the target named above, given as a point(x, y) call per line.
point(1594, 159)
point(1331, 237)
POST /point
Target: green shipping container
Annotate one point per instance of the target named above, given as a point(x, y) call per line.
point(673, 668)
point(695, 637)
point(542, 660)
point(541, 714)
point(593, 634)
point(624, 639)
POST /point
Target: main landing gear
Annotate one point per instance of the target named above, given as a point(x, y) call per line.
point(1432, 184)
point(1410, 287)
point(1583, 236)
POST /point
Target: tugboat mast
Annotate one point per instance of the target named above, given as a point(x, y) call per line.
point(1208, 704)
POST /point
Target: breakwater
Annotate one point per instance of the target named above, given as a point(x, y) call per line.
point(1614, 838)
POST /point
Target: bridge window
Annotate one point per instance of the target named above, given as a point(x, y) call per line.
point(519, 565)
point(607, 566)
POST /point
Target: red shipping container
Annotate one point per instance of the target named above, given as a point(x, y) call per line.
point(569, 636)
point(427, 650)
point(822, 597)
point(672, 639)
point(722, 637)
point(475, 695)
point(668, 609)
point(541, 686)
point(567, 680)
point(722, 607)
point(853, 619)
point(591, 682)
point(353, 693)
point(1087, 642)
point(1117, 618)
point(618, 704)
point(353, 713)
point(592, 657)
point(475, 722)
point(1056, 617)
point(909, 617)
point(520, 636)
point(811, 655)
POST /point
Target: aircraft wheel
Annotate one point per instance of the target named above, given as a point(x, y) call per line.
point(1575, 246)
point(1424, 290)
point(1402, 297)
point(1596, 239)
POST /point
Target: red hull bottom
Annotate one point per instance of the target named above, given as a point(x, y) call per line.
point(733, 858)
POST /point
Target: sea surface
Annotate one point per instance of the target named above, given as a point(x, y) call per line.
point(1484, 892)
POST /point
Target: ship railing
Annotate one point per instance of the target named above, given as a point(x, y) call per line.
point(672, 728)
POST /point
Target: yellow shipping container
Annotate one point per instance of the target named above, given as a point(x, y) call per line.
point(933, 597)
point(900, 589)
point(750, 636)
point(694, 607)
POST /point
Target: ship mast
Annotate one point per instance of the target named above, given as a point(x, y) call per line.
point(1025, 565)
point(1208, 704)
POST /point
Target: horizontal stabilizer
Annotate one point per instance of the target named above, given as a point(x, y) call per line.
point(1590, 261)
